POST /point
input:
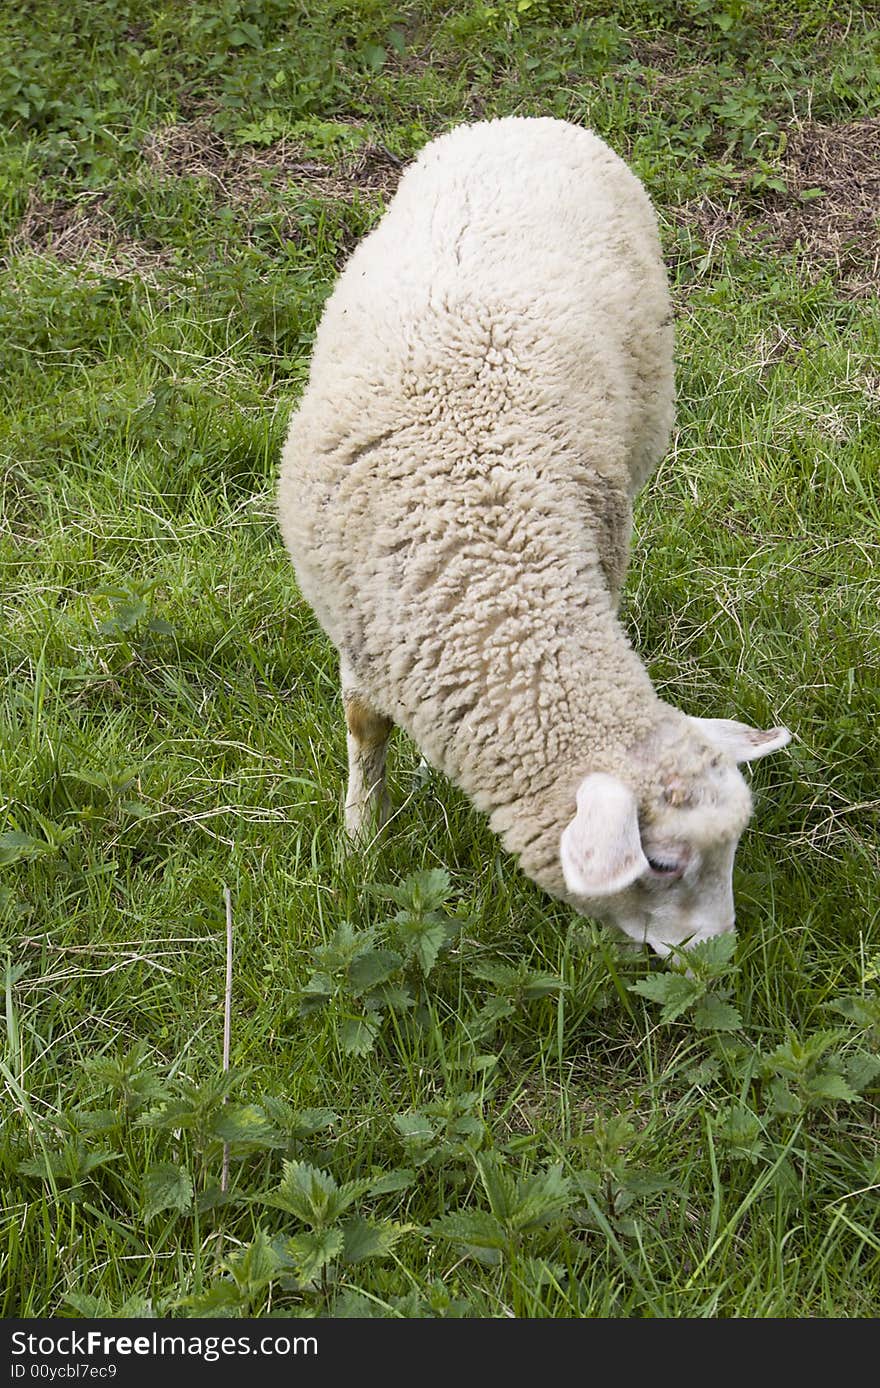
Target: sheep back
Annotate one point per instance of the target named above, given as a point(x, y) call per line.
point(491, 383)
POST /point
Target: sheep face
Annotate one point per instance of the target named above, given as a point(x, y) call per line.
point(662, 871)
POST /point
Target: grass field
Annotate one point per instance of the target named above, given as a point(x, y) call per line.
point(449, 1096)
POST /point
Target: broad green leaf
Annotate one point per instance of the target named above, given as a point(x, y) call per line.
point(674, 991)
point(166, 1187)
point(661, 987)
point(499, 1187)
point(422, 891)
point(829, 1087)
point(468, 1125)
point(537, 1273)
point(475, 1228)
point(15, 846)
point(312, 1252)
point(420, 940)
point(347, 1194)
point(71, 1163)
point(297, 1124)
point(213, 1197)
point(541, 1198)
point(91, 1307)
point(642, 1183)
point(56, 835)
point(741, 1133)
point(315, 994)
point(713, 1014)
point(782, 1100)
point(587, 1182)
point(481, 1063)
point(132, 1079)
point(429, 888)
point(797, 1057)
point(179, 1113)
point(612, 1134)
point(400, 1179)
point(132, 1308)
point(538, 984)
point(496, 1010)
point(415, 1127)
point(862, 1069)
point(395, 996)
point(372, 968)
point(314, 1120)
point(504, 976)
point(345, 945)
point(865, 1012)
point(246, 1124)
point(96, 1120)
point(255, 1266)
point(373, 56)
point(518, 982)
point(313, 1195)
point(221, 1299)
point(357, 1035)
point(125, 615)
point(350, 1305)
point(305, 1191)
point(196, 1104)
point(365, 1239)
point(713, 956)
point(282, 1115)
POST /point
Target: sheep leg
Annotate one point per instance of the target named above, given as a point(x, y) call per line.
point(367, 803)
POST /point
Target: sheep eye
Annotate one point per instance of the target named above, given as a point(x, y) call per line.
point(661, 867)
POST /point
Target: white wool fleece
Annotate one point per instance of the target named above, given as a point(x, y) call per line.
point(492, 382)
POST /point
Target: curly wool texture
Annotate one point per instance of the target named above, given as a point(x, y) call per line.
point(492, 382)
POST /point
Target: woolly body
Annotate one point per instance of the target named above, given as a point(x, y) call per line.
point(491, 383)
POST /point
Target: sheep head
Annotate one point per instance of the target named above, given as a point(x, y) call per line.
point(659, 866)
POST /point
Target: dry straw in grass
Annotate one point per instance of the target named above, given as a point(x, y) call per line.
point(830, 214)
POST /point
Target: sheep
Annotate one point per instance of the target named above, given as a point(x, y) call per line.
point(491, 385)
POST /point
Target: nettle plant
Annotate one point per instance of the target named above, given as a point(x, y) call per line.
point(331, 1236)
point(614, 1184)
point(168, 1134)
point(785, 1088)
point(520, 1210)
point(697, 985)
point(366, 977)
point(373, 974)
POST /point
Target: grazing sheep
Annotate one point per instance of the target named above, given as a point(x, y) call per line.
point(492, 383)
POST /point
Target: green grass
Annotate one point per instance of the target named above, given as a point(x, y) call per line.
point(535, 1122)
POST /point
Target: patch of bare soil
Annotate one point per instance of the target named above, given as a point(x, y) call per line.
point(658, 54)
point(194, 149)
point(83, 233)
point(842, 227)
point(713, 219)
point(830, 214)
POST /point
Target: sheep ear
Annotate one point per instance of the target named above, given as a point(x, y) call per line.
point(739, 741)
point(600, 849)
